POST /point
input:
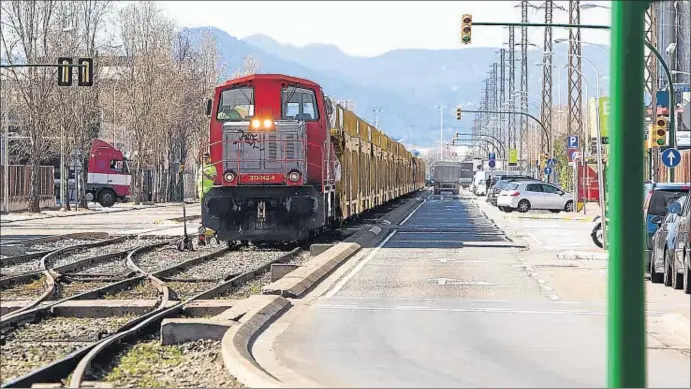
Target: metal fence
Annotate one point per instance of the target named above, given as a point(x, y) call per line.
point(19, 186)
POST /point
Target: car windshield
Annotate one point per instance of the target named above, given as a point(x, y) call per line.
point(236, 105)
point(661, 199)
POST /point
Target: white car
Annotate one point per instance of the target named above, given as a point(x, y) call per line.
point(480, 189)
point(526, 195)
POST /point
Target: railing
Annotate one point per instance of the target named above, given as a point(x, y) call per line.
point(282, 165)
point(19, 184)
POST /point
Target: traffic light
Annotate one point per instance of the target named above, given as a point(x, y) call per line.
point(64, 71)
point(543, 159)
point(660, 132)
point(466, 27)
point(86, 72)
point(459, 113)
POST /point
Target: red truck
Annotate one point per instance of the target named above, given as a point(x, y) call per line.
point(108, 176)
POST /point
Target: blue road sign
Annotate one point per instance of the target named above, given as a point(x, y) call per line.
point(572, 141)
point(671, 157)
point(548, 171)
point(492, 156)
point(492, 163)
point(551, 162)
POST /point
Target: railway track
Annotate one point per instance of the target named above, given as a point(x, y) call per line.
point(210, 272)
point(58, 275)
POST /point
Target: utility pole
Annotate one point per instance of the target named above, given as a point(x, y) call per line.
point(512, 86)
point(546, 109)
point(503, 133)
point(524, 76)
point(575, 116)
point(651, 81)
point(6, 162)
point(495, 99)
point(441, 133)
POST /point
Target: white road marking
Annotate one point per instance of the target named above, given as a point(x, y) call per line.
point(468, 310)
point(448, 281)
point(412, 213)
point(359, 267)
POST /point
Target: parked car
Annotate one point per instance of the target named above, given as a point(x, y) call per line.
point(682, 255)
point(526, 195)
point(664, 244)
point(497, 187)
point(657, 199)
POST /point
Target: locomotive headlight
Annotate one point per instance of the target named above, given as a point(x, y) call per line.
point(268, 123)
point(256, 124)
point(229, 177)
point(294, 176)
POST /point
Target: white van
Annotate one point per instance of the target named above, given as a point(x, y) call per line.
point(479, 180)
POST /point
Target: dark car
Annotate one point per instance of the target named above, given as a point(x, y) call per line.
point(664, 245)
point(498, 185)
point(657, 199)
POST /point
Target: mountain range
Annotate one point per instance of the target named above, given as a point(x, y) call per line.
point(405, 86)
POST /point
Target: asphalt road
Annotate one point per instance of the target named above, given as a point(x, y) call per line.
point(442, 304)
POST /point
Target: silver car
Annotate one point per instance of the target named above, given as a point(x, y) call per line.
point(527, 195)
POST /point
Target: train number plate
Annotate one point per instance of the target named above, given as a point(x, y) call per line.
point(249, 178)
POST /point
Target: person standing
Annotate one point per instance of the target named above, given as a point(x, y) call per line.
point(205, 177)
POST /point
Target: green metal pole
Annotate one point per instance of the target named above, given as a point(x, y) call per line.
point(626, 293)
point(670, 102)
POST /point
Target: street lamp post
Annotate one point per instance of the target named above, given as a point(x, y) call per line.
point(441, 132)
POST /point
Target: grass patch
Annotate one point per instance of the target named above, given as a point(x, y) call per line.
point(139, 360)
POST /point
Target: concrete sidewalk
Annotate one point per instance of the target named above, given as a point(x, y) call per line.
point(94, 208)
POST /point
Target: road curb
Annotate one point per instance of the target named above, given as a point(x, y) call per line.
point(296, 283)
point(583, 255)
point(678, 325)
point(238, 340)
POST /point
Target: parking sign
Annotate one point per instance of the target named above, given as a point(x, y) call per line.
point(572, 142)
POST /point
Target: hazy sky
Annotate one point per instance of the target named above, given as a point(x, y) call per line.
point(370, 28)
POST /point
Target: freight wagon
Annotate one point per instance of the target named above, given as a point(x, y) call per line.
point(292, 162)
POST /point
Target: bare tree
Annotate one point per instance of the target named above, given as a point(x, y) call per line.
point(28, 29)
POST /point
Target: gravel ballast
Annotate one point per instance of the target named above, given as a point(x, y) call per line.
point(148, 364)
point(168, 256)
point(217, 270)
point(34, 265)
point(93, 252)
point(36, 345)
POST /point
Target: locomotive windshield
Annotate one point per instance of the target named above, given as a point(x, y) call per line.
point(299, 104)
point(236, 105)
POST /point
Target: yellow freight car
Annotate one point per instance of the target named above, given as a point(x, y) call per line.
point(375, 169)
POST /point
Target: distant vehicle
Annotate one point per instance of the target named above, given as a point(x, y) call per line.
point(467, 173)
point(479, 176)
point(662, 263)
point(658, 196)
point(481, 188)
point(446, 176)
point(108, 179)
point(526, 195)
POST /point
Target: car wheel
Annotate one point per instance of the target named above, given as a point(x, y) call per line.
point(501, 209)
point(687, 274)
point(677, 279)
point(555, 210)
point(667, 275)
point(655, 277)
point(508, 209)
point(569, 206)
point(523, 206)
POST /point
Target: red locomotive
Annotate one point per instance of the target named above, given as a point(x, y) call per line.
point(291, 162)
